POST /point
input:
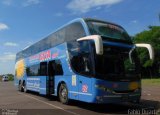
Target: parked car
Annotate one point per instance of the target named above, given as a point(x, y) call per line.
point(5, 78)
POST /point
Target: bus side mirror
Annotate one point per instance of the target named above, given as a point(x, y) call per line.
point(150, 49)
point(98, 43)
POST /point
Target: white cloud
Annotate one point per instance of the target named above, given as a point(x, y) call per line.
point(59, 14)
point(7, 2)
point(8, 56)
point(7, 53)
point(3, 26)
point(12, 44)
point(98, 8)
point(134, 21)
point(84, 6)
point(31, 2)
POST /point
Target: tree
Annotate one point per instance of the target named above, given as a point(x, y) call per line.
point(151, 36)
point(10, 77)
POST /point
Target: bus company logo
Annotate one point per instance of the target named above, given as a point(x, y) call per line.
point(84, 88)
point(45, 55)
point(54, 55)
point(34, 58)
point(20, 68)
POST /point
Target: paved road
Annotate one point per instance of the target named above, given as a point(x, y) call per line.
point(17, 103)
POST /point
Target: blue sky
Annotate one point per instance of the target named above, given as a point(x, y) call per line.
point(23, 22)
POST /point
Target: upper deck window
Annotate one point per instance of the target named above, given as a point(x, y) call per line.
point(74, 31)
point(70, 32)
point(108, 30)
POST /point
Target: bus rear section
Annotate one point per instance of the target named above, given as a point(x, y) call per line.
point(42, 71)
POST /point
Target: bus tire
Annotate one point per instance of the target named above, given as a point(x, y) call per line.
point(63, 93)
point(20, 86)
point(25, 88)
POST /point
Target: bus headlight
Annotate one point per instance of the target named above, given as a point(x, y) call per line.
point(133, 85)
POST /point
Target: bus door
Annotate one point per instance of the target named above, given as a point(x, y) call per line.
point(43, 77)
point(51, 78)
point(85, 68)
point(82, 63)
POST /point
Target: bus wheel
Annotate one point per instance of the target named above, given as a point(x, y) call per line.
point(20, 86)
point(63, 94)
point(25, 88)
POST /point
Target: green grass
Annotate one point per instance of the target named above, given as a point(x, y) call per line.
point(151, 81)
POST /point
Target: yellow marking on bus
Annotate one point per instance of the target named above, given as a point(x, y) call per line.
point(20, 69)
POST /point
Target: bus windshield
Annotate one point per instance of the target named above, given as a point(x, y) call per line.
point(115, 64)
point(108, 30)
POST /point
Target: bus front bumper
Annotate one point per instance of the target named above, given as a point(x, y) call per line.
point(118, 98)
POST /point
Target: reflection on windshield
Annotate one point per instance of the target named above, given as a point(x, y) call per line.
point(108, 30)
point(115, 63)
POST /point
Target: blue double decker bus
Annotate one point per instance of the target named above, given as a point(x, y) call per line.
point(87, 60)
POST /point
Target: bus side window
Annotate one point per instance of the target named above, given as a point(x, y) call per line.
point(37, 69)
point(43, 69)
point(33, 70)
point(74, 31)
point(80, 57)
point(57, 66)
